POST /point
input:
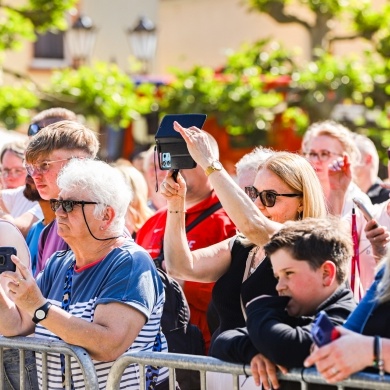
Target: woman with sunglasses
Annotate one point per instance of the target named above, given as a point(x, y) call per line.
point(285, 188)
point(104, 294)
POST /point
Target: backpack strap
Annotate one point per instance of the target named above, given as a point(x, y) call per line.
point(212, 209)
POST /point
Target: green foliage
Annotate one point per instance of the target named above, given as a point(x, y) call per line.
point(102, 91)
point(15, 104)
point(18, 24)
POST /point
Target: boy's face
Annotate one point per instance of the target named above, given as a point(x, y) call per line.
point(297, 280)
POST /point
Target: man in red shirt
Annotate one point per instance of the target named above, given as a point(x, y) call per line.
point(214, 228)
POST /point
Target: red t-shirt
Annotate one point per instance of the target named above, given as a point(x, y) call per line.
point(213, 229)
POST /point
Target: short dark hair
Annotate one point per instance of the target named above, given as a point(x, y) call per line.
point(316, 240)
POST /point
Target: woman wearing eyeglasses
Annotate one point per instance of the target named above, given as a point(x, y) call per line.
point(285, 188)
point(104, 294)
point(333, 153)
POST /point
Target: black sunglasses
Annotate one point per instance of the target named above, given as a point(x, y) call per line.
point(33, 129)
point(267, 197)
point(67, 205)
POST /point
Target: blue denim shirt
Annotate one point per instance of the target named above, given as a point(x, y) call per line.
point(359, 317)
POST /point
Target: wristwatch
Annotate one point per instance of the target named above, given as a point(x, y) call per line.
point(215, 166)
point(41, 313)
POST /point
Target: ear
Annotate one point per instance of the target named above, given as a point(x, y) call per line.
point(328, 269)
point(108, 216)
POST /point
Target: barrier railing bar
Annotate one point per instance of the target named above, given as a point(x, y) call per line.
point(203, 363)
point(41, 345)
point(44, 371)
point(172, 379)
point(22, 356)
point(1, 365)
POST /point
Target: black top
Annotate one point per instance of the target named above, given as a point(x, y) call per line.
point(285, 340)
point(229, 287)
point(377, 193)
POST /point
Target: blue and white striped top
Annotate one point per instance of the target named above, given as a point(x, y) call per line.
point(126, 275)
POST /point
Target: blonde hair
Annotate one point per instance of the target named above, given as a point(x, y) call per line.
point(138, 211)
point(336, 131)
point(298, 174)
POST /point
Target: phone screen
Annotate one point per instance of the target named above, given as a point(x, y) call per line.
point(6, 263)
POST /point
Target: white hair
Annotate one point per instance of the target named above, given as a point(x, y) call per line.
point(101, 183)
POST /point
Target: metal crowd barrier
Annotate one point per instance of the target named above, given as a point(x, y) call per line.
point(46, 346)
point(205, 364)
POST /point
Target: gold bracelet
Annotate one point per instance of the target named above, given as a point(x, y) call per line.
point(176, 211)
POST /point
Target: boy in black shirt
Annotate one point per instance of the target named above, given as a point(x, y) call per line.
point(309, 259)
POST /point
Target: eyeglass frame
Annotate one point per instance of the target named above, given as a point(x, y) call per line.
point(33, 129)
point(40, 170)
point(259, 195)
point(317, 155)
point(72, 203)
point(7, 172)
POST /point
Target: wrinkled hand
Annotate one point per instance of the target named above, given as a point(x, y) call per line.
point(23, 289)
point(379, 237)
point(340, 174)
point(198, 144)
point(265, 372)
point(339, 359)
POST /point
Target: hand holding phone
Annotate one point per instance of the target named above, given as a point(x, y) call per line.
point(323, 331)
point(6, 263)
point(362, 207)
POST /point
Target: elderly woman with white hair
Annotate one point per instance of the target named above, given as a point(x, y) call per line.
point(103, 294)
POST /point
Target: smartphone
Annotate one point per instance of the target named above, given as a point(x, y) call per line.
point(6, 264)
point(323, 331)
point(362, 207)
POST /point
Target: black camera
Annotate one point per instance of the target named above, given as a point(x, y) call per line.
point(172, 150)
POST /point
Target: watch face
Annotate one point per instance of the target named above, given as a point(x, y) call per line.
point(217, 165)
point(40, 314)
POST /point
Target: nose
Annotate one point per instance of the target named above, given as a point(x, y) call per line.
point(280, 286)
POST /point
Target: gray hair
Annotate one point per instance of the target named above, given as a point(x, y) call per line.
point(102, 183)
point(16, 147)
point(367, 147)
point(252, 160)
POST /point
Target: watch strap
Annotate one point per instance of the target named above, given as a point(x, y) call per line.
point(45, 309)
point(215, 166)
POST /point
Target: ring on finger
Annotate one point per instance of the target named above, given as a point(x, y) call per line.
point(334, 371)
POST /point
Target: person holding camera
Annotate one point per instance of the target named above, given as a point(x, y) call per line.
point(199, 198)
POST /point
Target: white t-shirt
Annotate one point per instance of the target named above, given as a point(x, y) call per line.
point(17, 204)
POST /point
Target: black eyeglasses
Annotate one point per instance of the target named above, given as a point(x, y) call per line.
point(267, 197)
point(33, 129)
point(67, 205)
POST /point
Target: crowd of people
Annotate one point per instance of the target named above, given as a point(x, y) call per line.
point(255, 257)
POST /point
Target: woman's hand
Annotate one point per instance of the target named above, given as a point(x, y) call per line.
point(173, 191)
point(336, 361)
point(340, 174)
point(379, 237)
point(23, 289)
point(198, 144)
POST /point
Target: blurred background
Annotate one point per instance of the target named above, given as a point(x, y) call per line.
point(262, 70)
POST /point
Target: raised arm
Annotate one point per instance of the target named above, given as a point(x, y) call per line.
point(241, 210)
point(202, 265)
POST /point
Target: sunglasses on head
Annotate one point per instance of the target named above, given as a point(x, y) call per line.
point(33, 129)
point(67, 205)
point(267, 197)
